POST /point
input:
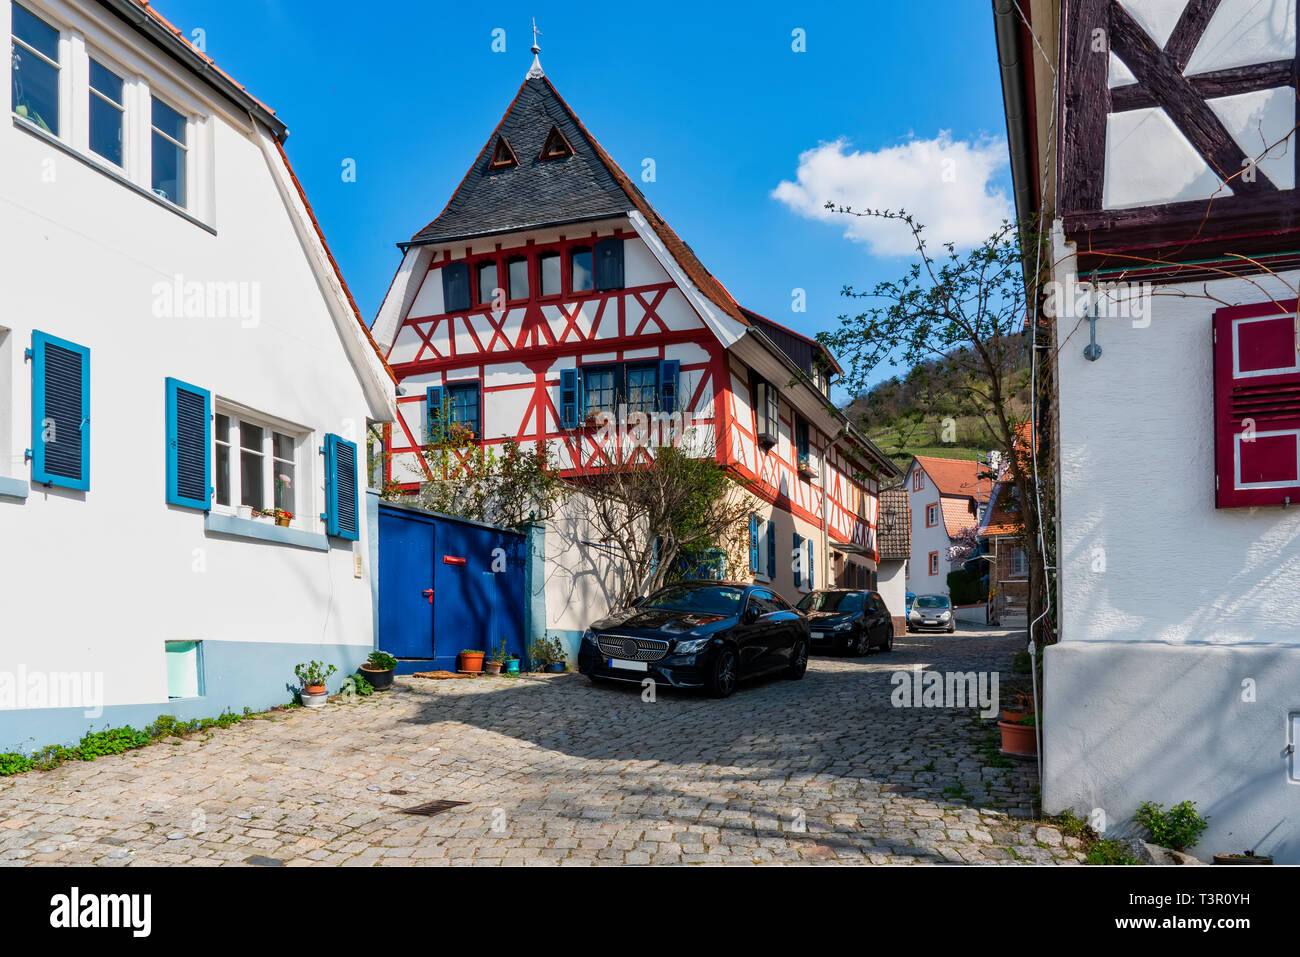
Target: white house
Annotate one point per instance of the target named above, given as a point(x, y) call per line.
point(177, 348)
point(548, 293)
point(1174, 216)
point(946, 498)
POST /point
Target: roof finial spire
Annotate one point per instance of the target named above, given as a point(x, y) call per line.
point(535, 70)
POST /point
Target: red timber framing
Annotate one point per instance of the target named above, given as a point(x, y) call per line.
point(773, 475)
point(1250, 215)
point(531, 340)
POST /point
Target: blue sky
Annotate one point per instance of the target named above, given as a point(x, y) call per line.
point(713, 93)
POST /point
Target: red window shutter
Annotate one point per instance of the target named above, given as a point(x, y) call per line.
point(1256, 405)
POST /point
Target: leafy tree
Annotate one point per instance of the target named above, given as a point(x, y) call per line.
point(958, 320)
point(506, 484)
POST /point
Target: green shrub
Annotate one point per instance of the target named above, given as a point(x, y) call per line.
point(1021, 663)
point(11, 762)
point(381, 661)
point(1106, 851)
point(1177, 829)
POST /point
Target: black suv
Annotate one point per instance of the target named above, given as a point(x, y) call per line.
point(698, 634)
point(849, 620)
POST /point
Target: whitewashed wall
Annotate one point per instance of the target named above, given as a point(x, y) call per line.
point(99, 580)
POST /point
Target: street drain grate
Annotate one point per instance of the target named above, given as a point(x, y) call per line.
point(432, 808)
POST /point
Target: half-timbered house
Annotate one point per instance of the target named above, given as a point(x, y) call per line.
point(549, 291)
point(1156, 140)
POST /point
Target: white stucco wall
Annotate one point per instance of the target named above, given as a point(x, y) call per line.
point(99, 580)
point(926, 540)
point(1144, 554)
point(891, 582)
point(1178, 672)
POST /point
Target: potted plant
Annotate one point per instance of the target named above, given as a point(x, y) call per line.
point(498, 660)
point(378, 670)
point(470, 660)
point(1250, 857)
point(313, 675)
point(282, 518)
point(547, 654)
point(512, 665)
point(1020, 737)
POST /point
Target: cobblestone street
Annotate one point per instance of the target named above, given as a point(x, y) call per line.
point(554, 770)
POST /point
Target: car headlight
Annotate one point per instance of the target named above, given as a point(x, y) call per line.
point(915, 614)
point(589, 636)
point(691, 646)
point(844, 626)
point(944, 616)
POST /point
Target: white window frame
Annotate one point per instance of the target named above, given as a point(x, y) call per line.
point(304, 499)
point(187, 147)
point(1019, 563)
point(83, 37)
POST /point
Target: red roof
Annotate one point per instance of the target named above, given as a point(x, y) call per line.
point(956, 476)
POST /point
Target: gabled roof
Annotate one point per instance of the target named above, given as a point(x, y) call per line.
point(151, 24)
point(958, 515)
point(586, 186)
point(957, 477)
point(141, 15)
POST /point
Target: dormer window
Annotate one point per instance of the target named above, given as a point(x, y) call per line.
point(556, 147)
point(503, 157)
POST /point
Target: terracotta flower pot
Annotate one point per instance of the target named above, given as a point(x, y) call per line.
point(315, 689)
point(1012, 717)
point(492, 667)
point(283, 521)
point(470, 661)
point(1018, 738)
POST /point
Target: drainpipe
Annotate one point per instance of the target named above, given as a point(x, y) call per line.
point(826, 538)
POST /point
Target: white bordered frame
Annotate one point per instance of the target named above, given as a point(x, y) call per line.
point(260, 462)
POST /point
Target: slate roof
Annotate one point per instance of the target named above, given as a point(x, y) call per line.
point(536, 192)
point(896, 543)
point(586, 186)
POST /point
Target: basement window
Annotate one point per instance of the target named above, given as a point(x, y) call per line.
point(184, 669)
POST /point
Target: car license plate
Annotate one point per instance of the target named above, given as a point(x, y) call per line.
point(818, 635)
point(628, 665)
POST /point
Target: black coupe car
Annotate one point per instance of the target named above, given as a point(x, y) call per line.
point(849, 620)
point(698, 634)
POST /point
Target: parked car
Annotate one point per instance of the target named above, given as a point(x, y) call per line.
point(698, 634)
point(848, 620)
point(931, 613)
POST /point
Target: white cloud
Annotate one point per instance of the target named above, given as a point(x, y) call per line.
point(944, 183)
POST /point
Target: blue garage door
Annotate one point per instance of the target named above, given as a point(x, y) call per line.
point(446, 585)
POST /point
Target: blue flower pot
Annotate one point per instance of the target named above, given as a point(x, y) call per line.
point(555, 667)
point(512, 666)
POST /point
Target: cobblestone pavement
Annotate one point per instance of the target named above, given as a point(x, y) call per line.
point(554, 770)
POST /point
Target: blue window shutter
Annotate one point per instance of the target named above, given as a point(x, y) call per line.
point(771, 549)
point(753, 542)
point(60, 412)
point(189, 445)
point(341, 488)
point(568, 398)
point(812, 560)
point(608, 265)
point(433, 415)
point(798, 555)
point(455, 287)
point(668, 374)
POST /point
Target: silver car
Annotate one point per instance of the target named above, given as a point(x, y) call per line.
point(931, 613)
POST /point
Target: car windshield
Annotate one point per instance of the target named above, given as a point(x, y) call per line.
point(845, 601)
point(707, 599)
point(932, 601)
